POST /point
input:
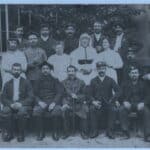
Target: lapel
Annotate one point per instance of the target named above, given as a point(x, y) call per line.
point(11, 89)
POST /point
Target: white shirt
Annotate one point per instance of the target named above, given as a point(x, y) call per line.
point(16, 83)
point(101, 78)
point(8, 59)
point(44, 38)
point(118, 42)
point(97, 36)
point(60, 63)
point(113, 59)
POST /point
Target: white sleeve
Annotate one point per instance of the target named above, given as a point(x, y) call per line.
point(118, 63)
point(23, 62)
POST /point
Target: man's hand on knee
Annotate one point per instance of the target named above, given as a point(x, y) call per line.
point(51, 106)
point(43, 105)
point(127, 105)
point(140, 106)
point(16, 105)
point(65, 107)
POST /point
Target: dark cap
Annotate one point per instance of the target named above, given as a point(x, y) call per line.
point(44, 26)
point(47, 64)
point(101, 64)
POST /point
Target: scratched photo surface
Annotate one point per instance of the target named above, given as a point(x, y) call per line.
point(75, 76)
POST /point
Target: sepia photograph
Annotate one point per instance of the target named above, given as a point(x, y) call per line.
point(74, 75)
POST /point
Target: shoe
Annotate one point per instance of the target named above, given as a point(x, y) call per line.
point(6, 136)
point(20, 138)
point(65, 136)
point(84, 136)
point(55, 136)
point(126, 135)
point(94, 134)
point(110, 135)
point(146, 139)
point(40, 136)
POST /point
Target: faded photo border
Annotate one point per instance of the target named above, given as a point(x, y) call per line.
point(67, 2)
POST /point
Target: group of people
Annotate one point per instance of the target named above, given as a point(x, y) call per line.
point(86, 82)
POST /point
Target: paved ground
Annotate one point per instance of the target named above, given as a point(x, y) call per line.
point(76, 142)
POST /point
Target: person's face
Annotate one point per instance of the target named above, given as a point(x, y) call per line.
point(130, 55)
point(118, 30)
point(16, 71)
point(85, 42)
point(46, 70)
point(33, 40)
point(97, 27)
point(106, 44)
point(101, 71)
point(71, 72)
point(19, 32)
point(70, 31)
point(134, 74)
point(45, 31)
point(59, 49)
point(12, 45)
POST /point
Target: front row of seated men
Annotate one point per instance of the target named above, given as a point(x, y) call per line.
point(59, 103)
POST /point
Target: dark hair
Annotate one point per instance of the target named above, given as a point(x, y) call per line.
point(47, 64)
point(133, 67)
point(71, 66)
point(16, 65)
point(44, 26)
point(32, 33)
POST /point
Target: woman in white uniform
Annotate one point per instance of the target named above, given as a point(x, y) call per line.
point(112, 59)
point(83, 58)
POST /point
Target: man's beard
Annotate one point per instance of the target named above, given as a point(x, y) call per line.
point(16, 75)
point(101, 74)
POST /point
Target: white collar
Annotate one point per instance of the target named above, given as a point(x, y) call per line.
point(44, 38)
point(102, 78)
point(16, 79)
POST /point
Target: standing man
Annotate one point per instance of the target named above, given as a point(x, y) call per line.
point(103, 101)
point(133, 97)
point(97, 36)
point(22, 42)
point(46, 41)
point(13, 55)
point(35, 57)
point(60, 61)
point(17, 100)
point(74, 103)
point(70, 42)
point(49, 94)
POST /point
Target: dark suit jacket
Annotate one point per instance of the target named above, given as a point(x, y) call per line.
point(25, 93)
point(102, 91)
point(49, 89)
point(133, 93)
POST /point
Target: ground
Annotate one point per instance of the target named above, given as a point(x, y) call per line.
point(77, 142)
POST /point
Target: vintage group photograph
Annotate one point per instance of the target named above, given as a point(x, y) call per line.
point(75, 76)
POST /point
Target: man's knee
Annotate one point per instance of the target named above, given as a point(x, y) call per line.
point(23, 112)
point(6, 112)
point(57, 111)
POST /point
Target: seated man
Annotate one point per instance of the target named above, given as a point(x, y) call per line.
point(48, 96)
point(103, 101)
point(74, 103)
point(17, 101)
point(133, 95)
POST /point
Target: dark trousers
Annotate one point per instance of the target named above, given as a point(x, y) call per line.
point(69, 121)
point(18, 117)
point(124, 116)
point(146, 121)
point(96, 115)
point(41, 115)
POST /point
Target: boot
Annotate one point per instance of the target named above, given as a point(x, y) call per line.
point(40, 128)
point(56, 123)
